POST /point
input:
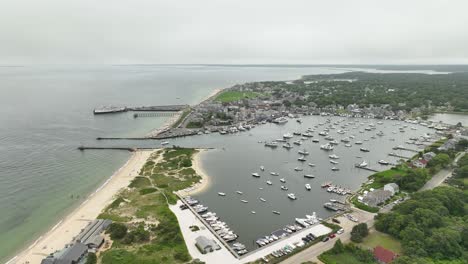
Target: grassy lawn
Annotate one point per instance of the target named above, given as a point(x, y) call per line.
point(342, 258)
point(231, 96)
point(376, 238)
point(384, 177)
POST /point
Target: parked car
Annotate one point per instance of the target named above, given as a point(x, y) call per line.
point(325, 239)
point(336, 220)
point(341, 231)
point(332, 235)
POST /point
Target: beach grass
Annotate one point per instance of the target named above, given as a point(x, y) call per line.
point(147, 202)
point(232, 96)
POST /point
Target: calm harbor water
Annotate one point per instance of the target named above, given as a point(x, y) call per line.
point(46, 113)
point(451, 119)
point(237, 156)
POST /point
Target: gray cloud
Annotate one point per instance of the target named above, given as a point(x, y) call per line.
point(225, 31)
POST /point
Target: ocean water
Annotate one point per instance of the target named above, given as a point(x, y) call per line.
point(46, 113)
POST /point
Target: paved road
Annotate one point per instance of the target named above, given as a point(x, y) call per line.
point(439, 178)
point(311, 253)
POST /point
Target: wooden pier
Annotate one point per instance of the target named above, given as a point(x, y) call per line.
point(403, 148)
point(154, 114)
point(132, 149)
point(365, 168)
point(398, 156)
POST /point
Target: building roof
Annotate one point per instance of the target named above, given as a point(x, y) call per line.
point(203, 241)
point(384, 255)
point(73, 253)
point(393, 185)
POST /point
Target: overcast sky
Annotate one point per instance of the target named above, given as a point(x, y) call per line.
point(237, 31)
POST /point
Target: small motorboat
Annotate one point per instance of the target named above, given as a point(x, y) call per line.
point(274, 173)
point(256, 174)
point(282, 180)
point(269, 182)
point(221, 194)
point(284, 188)
point(310, 176)
point(307, 186)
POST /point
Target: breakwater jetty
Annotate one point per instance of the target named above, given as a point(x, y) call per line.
point(132, 149)
point(156, 108)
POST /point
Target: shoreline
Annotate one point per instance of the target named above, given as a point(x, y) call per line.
point(205, 181)
point(71, 225)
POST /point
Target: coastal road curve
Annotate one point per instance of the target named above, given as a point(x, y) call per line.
point(439, 178)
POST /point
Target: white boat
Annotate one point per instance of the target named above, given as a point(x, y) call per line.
point(335, 169)
point(239, 192)
point(333, 156)
point(326, 147)
point(358, 142)
point(165, 143)
point(253, 212)
point(383, 162)
point(297, 142)
point(271, 144)
point(292, 196)
point(263, 200)
point(363, 164)
point(274, 173)
point(221, 194)
point(269, 182)
point(256, 174)
point(284, 188)
point(282, 180)
point(303, 152)
point(287, 135)
point(276, 212)
point(287, 146)
point(323, 133)
point(311, 164)
point(315, 140)
point(309, 176)
point(298, 169)
point(280, 120)
point(364, 149)
point(262, 168)
point(301, 158)
point(307, 186)
point(244, 201)
point(333, 162)
point(348, 145)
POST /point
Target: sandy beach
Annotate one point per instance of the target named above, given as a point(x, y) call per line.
point(70, 226)
point(205, 182)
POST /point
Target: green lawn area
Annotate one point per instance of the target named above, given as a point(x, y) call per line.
point(386, 176)
point(231, 96)
point(376, 238)
point(342, 258)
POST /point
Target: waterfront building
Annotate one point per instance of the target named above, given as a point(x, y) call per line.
point(206, 245)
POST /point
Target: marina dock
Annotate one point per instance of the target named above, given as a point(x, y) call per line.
point(398, 156)
point(365, 168)
point(403, 148)
point(220, 239)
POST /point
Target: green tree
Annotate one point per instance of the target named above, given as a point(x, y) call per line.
point(338, 247)
point(91, 258)
point(359, 232)
point(117, 230)
point(462, 172)
point(440, 159)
